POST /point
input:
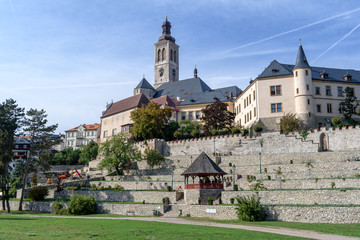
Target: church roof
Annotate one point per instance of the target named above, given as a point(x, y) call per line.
point(182, 88)
point(228, 91)
point(333, 74)
point(203, 165)
point(126, 104)
point(204, 97)
point(144, 84)
point(164, 101)
point(301, 61)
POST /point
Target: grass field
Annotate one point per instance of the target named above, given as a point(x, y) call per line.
point(352, 230)
point(16, 226)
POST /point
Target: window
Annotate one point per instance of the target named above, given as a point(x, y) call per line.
point(351, 92)
point(254, 94)
point(250, 114)
point(171, 55)
point(275, 90)
point(247, 101)
point(191, 115)
point(328, 90)
point(317, 90)
point(105, 134)
point(114, 131)
point(163, 54)
point(296, 73)
point(307, 73)
point(255, 112)
point(307, 87)
point(340, 92)
point(308, 101)
point(175, 56)
point(244, 103)
point(16, 146)
point(183, 116)
point(250, 98)
point(117, 118)
point(318, 108)
point(297, 91)
point(158, 57)
point(92, 133)
point(329, 108)
point(276, 107)
point(72, 134)
point(197, 115)
point(341, 107)
point(239, 108)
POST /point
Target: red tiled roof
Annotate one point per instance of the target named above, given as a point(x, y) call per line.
point(86, 126)
point(164, 100)
point(126, 104)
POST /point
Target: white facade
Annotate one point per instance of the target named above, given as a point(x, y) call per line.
point(81, 135)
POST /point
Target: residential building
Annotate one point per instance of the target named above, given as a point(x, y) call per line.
point(82, 135)
point(312, 93)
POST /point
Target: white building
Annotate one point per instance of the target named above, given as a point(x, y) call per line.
point(82, 135)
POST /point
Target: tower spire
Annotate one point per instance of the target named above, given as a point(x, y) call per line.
point(301, 61)
point(195, 72)
point(166, 33)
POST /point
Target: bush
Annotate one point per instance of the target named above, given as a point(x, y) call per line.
point(224, 132)
point(118, 188)
point(82, 205)
point(250, 209)
point(258, 128)
point(235, 187)
point(153, 158)
point(214, 132)
point(232, 200)
point(290, 123)
point(210, 201)
point(169, 188)
point(235, 130)
point(59, 208)
point(245, 132)
point(304, 134)
point(258, 186)
point(195, 133)
point(336, 120)
point(166, 200)
point(38, 193)
point(269, 177)
point(177, 134)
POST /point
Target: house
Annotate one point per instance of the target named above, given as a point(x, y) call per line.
point(82, 135)
point(312, 93)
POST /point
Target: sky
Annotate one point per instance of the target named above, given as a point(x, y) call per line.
point(71, 57)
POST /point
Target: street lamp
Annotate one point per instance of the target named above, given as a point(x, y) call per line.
point(214, 147)
point(233, 167)
point(260, 160)
point(172, 178)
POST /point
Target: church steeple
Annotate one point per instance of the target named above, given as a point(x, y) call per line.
point(195, 72)
point(166, 33)
point(301, 61)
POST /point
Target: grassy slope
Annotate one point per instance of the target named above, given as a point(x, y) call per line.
point(19, 227)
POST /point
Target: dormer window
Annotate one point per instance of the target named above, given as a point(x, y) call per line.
point(274, 71)
point(347, 77)
point(324, 75)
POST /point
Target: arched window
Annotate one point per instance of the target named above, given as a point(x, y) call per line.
point(158, 56)
point(175, 57)
point(171, 55)
point(163, 54)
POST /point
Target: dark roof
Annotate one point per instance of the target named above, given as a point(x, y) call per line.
point(334, 74)
point(126, 104)
point(301, 61)
point(228, 90)
point(144, 84)
point(204, 97)
point(203, 165)
point(182, 88)
point(276, 69)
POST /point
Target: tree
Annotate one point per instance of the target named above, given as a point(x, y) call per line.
point(290, 123)
point(67, 156)
point(153, 158)
point(35, 125)
point(10, 121)
point(188, 127)
point(216, 116)
point(88, 153)
point(170, 129)
point(118, 154)
point(349, 105)
point(150, 121)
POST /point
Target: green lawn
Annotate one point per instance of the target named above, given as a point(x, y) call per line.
point(21, 227)
point(330, 228)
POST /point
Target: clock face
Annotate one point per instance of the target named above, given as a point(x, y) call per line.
point(161, 71)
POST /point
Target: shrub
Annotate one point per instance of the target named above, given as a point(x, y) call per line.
point(250, 209)
point(291, 161)
point(93, 187)
point(177, 134)
point(336, 120)
point(230, 164)
point(232, 200)
point(195, 133)
point(304, 134)
point(166, 200)
point(269, 177)
point(235, 187)
point(332, 184)
point(258, 128)
point(235, 130)
point(59, 208)
point(153, 158)
point(118, 188)
point(169, 188)
point(245, 132)
point(224, 132)
point(210, 201)
point(82, 205)
point(290, 123)
point(38, 193)
point(257, 186)
point(214, 132)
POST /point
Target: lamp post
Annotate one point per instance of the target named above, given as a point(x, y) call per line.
point(214, 147)
point(260, 160)
point(172, 178)
point(233, 167)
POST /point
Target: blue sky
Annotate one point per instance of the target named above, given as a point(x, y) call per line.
point(71, 57)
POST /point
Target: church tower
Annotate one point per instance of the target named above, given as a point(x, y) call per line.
point(303, 89)
point(166, 57)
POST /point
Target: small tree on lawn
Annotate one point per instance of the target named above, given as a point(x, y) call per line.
point(290, 123)
point(216, 116)
point(150, 121)
point(118, 154)
point(349, 105)
point(153, 158)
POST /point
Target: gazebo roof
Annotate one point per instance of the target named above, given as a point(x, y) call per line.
point(203, 166)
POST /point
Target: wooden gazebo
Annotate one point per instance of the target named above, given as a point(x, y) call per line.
point(205, 174)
